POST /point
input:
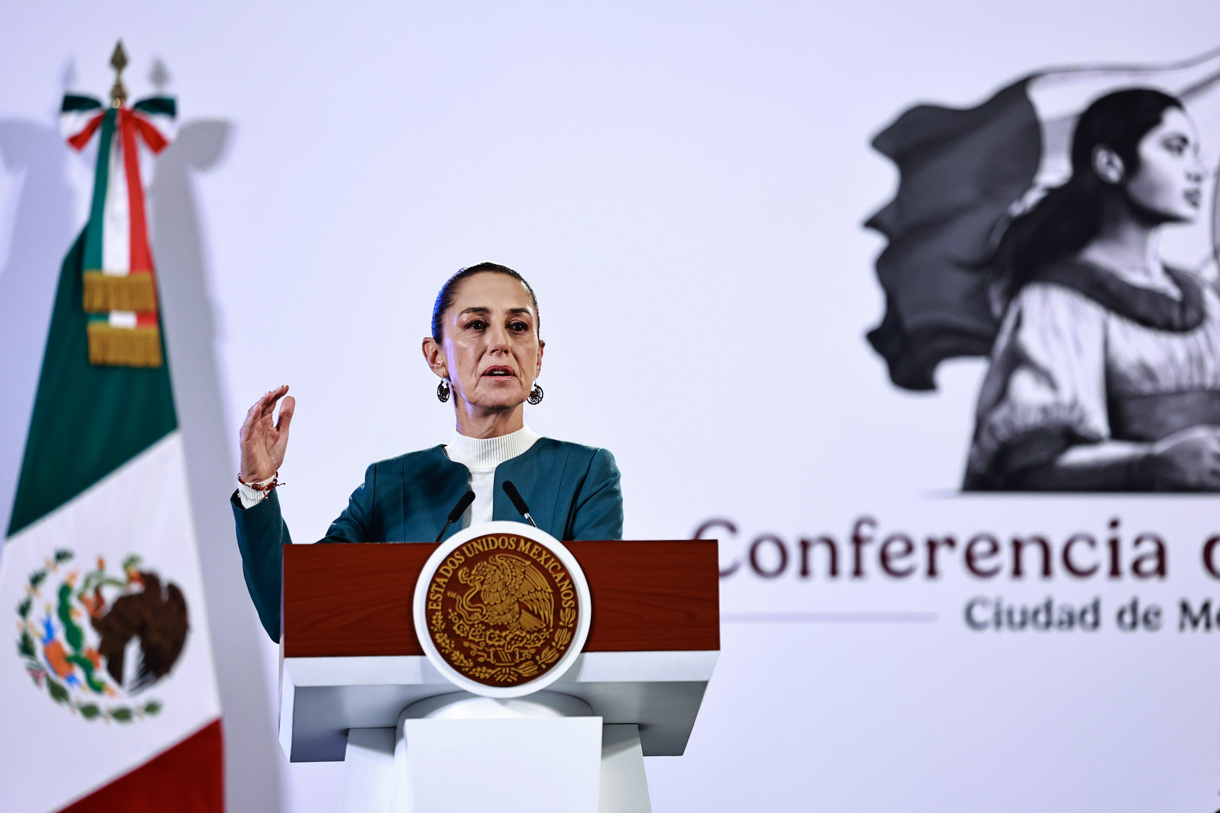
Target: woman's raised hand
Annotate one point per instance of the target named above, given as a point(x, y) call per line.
point(263, 440)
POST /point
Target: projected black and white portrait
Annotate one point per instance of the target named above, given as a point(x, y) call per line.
point(1035, 229)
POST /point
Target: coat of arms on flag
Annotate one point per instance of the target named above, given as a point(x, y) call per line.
point(110, 696)
point(101, 638)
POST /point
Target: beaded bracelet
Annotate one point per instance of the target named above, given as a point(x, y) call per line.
point(266, 488)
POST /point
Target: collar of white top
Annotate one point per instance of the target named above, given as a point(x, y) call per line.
point(486, 453)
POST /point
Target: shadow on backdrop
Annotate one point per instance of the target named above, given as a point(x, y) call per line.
point(35, 156)
point(251, 760)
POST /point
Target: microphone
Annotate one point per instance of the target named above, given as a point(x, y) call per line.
point(457, 512)
point(518, 503)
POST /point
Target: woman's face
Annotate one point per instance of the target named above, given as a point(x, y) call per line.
point(1169, 183)
point(490, 350)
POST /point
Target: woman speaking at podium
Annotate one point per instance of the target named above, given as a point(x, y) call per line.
point(485, 348)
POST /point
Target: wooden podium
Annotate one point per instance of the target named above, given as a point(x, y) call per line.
point(351, 661)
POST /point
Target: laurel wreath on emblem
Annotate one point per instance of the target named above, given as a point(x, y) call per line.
point(505, 622)
point(136, 629)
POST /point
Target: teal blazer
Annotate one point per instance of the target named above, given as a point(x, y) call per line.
point(572, 492)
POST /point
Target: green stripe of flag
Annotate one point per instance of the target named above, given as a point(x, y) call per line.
point(73, 102)
point(87, 420)
point(157, 105)
point(101, 179)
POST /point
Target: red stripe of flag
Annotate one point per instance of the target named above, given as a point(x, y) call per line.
point(188, 778)
point(78, 141)
point(141, 257)
point(151, 135)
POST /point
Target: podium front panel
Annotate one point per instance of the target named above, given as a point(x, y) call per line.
point(355, 600)
point(352, 660)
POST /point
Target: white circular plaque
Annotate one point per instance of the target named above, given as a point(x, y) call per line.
point(502, 609)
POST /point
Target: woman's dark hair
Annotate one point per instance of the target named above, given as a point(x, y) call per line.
point(1069, 216)
point(449, 290)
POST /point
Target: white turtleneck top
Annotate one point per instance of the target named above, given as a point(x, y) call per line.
point(481, 456)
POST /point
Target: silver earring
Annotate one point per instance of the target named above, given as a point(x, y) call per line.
point(442, 391)
point(535, 396)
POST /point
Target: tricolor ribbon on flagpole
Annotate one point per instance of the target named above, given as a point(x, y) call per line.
point(120, 295)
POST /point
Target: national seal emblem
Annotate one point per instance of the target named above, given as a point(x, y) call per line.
point(96, 639)
point(503, 608)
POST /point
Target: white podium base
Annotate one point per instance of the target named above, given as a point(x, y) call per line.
point(461, 753)
point(509, 766)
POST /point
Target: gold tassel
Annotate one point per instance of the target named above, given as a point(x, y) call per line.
point(124, 346)
point(113, 292)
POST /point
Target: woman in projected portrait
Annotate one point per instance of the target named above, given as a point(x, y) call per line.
point(1105, 373)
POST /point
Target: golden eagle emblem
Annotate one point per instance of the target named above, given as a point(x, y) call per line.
point(96, 639)
point(502, 610)
point(506, 590)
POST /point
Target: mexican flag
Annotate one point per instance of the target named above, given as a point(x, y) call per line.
point(108, 697)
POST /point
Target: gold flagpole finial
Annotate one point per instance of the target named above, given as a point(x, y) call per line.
point(118, 61)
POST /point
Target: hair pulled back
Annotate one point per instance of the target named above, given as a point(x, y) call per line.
point(1069, 216)
point(449, 290)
